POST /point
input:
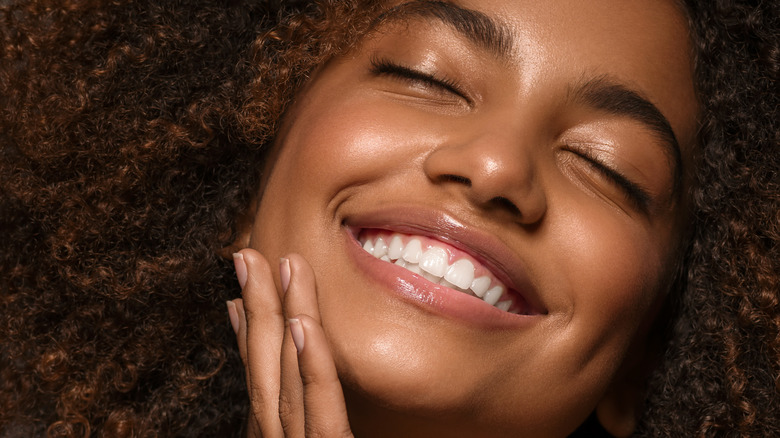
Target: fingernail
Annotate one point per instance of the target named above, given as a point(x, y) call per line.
point(284, 273)
point(296, 329)
point(233, 315)
point(238, 261)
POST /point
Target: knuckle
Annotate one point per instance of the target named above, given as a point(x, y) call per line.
point(264, 318)
point(256, 399)
point(255, 392)
point(315, 380)
point(250, 313)
point(326, 432)
point(286, 409)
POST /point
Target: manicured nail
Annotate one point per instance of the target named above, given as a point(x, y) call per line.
point(238, 261)
point(284, 273)
point(296, 329)
point(233, 315)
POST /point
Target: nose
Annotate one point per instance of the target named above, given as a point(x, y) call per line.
point(494, 173)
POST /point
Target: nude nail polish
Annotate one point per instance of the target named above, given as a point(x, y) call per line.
point(296, 329)
point(233, 315)
point(284, 273)
point(240, 264)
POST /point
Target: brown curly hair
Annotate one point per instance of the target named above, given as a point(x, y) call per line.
point(721, 372)
point(131, 138)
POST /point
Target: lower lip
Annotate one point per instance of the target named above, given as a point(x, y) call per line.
point(433, 298)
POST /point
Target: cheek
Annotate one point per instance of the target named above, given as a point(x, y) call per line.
point(616, 271)
point(318, 152)
point(331, 147)
point(353, 139)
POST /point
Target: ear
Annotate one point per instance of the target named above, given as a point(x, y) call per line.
point(244, 224)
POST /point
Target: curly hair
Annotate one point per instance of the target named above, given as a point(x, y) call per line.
point(132, 137)
point(721, 372)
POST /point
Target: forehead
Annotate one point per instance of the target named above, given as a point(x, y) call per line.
point(642, 44)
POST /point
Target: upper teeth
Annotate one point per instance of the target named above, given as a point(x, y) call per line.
point(431, 262)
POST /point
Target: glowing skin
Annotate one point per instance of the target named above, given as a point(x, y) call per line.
point(494, 159)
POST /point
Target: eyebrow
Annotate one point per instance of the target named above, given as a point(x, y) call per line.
point(612, 97)
point(602, 93)
point(474, 26)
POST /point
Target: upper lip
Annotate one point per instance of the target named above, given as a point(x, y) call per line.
point(484, 247)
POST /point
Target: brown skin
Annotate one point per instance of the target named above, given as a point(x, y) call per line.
point(502, 155)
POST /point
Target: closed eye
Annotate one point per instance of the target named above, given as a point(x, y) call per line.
point(638, 195)
point(384, 67)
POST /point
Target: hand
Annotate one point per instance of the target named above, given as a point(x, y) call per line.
point(294, 390)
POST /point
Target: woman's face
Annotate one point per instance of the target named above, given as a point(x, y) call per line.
point(535, 149)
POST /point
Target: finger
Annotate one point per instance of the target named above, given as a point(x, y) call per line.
point(299, 295)
point(238, 321)
point(291, 391)
point(323, 397)
point(239, 326)
point(261, 331)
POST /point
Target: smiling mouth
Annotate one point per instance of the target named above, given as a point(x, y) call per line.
point(441, 264)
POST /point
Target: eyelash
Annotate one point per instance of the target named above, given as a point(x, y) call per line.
point(635, 193)
point(384, 67)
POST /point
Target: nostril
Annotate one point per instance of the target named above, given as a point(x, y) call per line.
point(457, 179)
point(506, 204)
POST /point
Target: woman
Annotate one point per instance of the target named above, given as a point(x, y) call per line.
point(582, 161)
